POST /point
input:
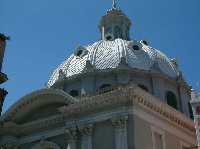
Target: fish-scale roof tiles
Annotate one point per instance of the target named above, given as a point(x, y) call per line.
point(108, 54)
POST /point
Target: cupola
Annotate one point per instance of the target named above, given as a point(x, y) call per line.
point(115, 24)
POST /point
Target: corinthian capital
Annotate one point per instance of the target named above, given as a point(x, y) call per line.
point(87, 129)
point(119, 121)
point(71, 133)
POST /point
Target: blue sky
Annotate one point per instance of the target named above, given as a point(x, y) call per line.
point(45, 32)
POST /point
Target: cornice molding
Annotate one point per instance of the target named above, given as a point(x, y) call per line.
point(126, 97)
point(100, 72)
point(29, 100)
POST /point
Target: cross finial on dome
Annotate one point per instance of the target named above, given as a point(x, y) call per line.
point(114, 5)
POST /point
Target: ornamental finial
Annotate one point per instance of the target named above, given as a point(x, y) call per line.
point(114, 5)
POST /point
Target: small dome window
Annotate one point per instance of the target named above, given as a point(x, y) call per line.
point(136, 47)
point(144, 42)
point(80, 51)
point(109, 36)
point(174, 62)
point(61, 74)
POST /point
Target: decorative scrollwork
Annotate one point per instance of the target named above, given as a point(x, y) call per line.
point(71, 133)
point(119, 121)
point(86, 130)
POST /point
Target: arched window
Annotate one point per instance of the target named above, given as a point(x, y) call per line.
point(79, 53)
point(118, 32)
point(171, 99)
point(143, 87)
point(109, 37)
point(136, 47)
point(74, 93)
point(105, 88)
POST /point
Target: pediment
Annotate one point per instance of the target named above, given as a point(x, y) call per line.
point(41, 112)
point(37, 105)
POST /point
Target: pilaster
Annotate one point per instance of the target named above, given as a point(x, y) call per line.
point(120, 125)
point(86, 140)
point(71, 138)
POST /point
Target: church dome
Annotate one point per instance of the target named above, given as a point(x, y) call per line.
point(108, 55)
point(114, 51)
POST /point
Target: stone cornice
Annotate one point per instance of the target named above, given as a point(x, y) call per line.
point(18, 109)
point(127, 97)
point(96, 103)
point(118, 98)
point(114, 70)
point(9, 128)
point(35, 126)
point(43, 124)
point(167, 112)
point(97, 72)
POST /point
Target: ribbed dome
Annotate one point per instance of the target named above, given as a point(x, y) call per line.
point(110, 54)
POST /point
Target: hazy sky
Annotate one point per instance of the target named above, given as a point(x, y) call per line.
point(45, 32)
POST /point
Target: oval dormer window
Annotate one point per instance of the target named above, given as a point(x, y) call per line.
point(80, 51)
point(144, 42)
point(109, 37)
point(136, 47)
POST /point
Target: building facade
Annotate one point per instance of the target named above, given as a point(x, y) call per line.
point(195, 102)
point(117, 93)
point(3, 76)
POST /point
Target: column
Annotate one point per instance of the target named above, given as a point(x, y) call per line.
point(71, 138)
point(120, 125)
point(86, 139)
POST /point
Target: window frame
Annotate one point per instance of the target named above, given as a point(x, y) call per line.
point(176, 99)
